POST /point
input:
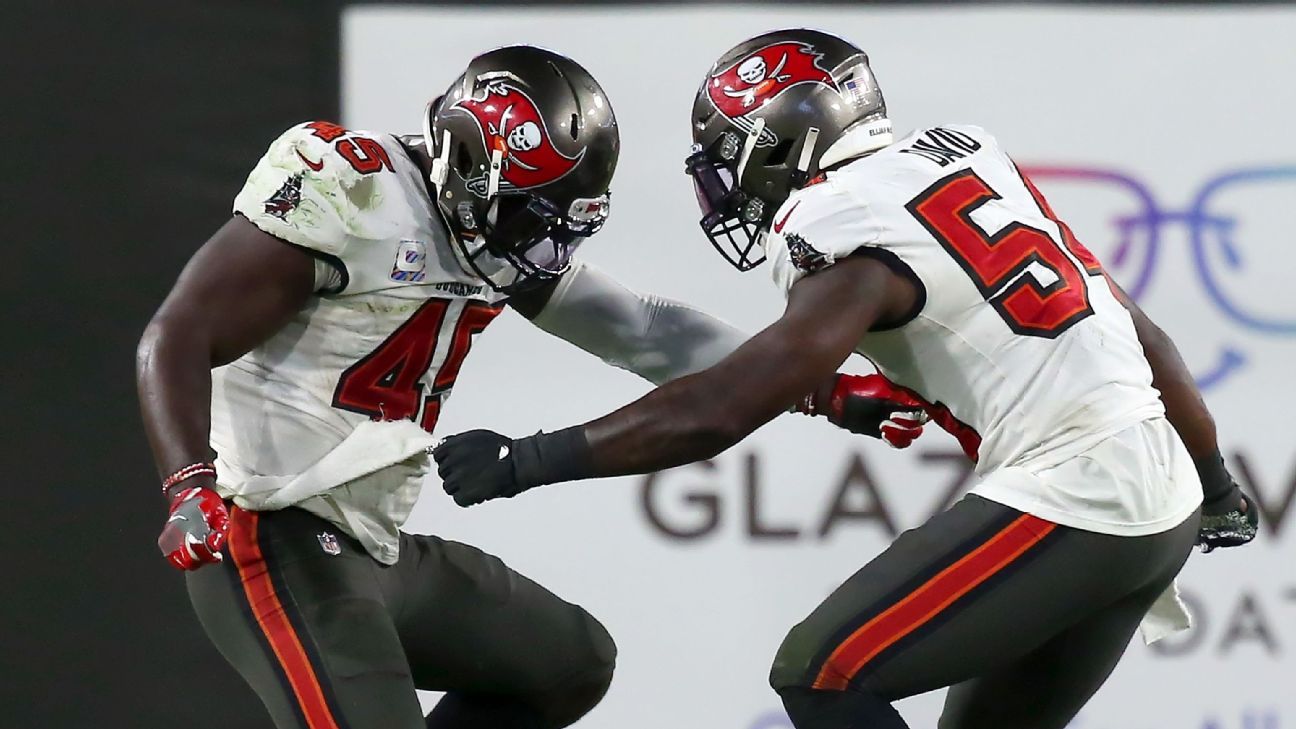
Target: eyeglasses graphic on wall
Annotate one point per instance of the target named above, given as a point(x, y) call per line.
point(1240, 243)
point(1237, 232)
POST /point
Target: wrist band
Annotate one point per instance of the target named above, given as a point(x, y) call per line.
point(546, 458)
point(1220, 493)
point(189, 471)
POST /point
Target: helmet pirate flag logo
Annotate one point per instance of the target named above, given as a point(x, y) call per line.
point(510, 122)
point(759, 77)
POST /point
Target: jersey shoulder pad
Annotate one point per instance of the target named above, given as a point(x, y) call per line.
point(304, 191)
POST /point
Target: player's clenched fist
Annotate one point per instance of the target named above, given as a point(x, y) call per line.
point(481, 465)
point(195, 529)
point(1228, 517)
point(870, 405)
point(477, 466)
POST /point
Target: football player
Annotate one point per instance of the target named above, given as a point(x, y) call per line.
point(934, 256)
point(337, 306)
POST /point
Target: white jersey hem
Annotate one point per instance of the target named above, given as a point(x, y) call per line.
point(376, 473)
point(1016, 500)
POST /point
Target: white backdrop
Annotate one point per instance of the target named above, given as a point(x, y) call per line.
point(1176, 107)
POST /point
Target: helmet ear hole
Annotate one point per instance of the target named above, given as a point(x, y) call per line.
point(575, 120)
point(779, 154)
point(463, 161)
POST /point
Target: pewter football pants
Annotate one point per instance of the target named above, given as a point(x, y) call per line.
point(1024, 619)
point(331, 639)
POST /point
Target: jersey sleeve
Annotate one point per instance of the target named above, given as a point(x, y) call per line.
point(817, 227)
point(302, 191)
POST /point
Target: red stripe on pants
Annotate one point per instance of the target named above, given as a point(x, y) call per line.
point(920, 606)
point(246, 554)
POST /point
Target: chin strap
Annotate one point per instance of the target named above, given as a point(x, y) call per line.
point(440, 163)
point(437, 175)
point(807, 149)
point(496, 165)
point(758, 127)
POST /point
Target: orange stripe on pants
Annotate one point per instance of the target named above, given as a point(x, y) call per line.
point(920, 606)
point(245, 552)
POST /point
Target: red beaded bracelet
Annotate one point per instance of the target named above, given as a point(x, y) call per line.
point(193, 469)
point(806, 406)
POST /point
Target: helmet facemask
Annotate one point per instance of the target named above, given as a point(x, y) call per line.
point(525, 241)
point(736, 209)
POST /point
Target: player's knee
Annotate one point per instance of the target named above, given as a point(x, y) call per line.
point(792, 662)
point(594, 680)
point(585, 687)
point(577, 697)
point(600, 658)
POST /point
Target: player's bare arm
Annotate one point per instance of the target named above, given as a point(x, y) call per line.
point(662, 340)
point(1226, 518)
point(700, 415)
point(236, 291)
point(1185, 408)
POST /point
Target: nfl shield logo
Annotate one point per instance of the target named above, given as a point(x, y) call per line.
point(329, 544)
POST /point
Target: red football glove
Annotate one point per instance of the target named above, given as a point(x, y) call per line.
point(196, 529)
point(871, 405)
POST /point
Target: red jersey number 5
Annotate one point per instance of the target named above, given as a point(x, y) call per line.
point(997, 263)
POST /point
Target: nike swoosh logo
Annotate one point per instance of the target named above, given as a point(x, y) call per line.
point(177, 517)
point(315, 166)
point(778, 226)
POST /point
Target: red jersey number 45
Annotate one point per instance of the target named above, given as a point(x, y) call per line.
point(387, 384)
point(365, 155)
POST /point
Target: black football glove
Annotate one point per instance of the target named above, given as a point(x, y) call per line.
point(477, 466)
point(1229, 519)
point(481, 465)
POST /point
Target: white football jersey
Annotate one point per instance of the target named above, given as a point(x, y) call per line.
point(384, 345)
point(1017, 341)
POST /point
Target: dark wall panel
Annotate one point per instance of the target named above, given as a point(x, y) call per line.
point(128, 128)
